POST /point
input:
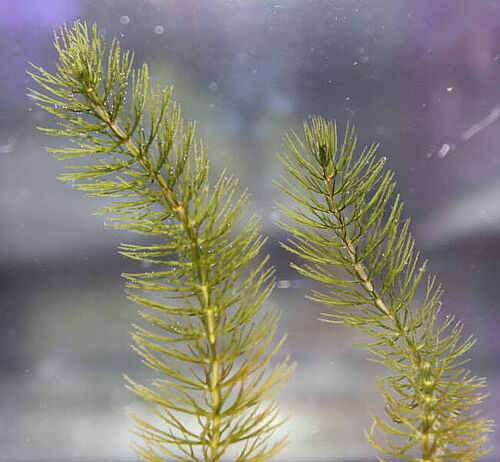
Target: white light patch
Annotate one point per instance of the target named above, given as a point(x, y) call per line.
point(443, 150)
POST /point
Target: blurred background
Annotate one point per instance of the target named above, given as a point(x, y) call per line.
point(419, 76)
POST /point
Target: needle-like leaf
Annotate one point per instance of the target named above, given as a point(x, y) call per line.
point(211, 351)
point(347, 227)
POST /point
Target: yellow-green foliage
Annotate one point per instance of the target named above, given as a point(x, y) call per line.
point(211, 350)
point(347, 216)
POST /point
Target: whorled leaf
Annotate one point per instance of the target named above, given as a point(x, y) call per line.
point(209, 334)
point(347, 216)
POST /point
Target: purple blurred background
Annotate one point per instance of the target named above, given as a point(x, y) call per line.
point(422, 77)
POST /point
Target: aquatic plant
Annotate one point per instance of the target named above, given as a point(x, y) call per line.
point(211, 351)
point(347, 217)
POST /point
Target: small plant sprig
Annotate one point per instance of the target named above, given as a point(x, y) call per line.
point(211, 352)
point(347, 216)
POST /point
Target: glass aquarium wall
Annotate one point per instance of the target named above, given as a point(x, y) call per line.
point(420, 77)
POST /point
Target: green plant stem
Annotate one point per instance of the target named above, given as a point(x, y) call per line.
point(365, 282)
point(203, 293)
point(210, 354)
point(347, 216)
point(368, 285)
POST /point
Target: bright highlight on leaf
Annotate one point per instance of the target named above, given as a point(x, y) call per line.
point(347, 217)
point(212, 349)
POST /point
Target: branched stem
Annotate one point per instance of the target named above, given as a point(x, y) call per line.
point(203, 293)
point(346, 216)
point(427, 450)
point(211, 352)
point(365, 282)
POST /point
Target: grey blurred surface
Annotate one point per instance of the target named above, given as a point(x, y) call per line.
point(420, 76)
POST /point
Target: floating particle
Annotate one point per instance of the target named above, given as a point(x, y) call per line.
point(288, 284)
point(449, 89)
point(159, 30)
point(284, 284)
point(213, 86)
point(125, 19)
point(445, 149)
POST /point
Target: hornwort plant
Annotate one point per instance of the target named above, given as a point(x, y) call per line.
point(211, 351)
point(346, 215)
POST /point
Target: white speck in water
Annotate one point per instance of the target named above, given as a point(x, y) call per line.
point(125, 19)
point(444, 149)
point(449, 89)
point(159, 30)
point(213, 86)
point(288, 284)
